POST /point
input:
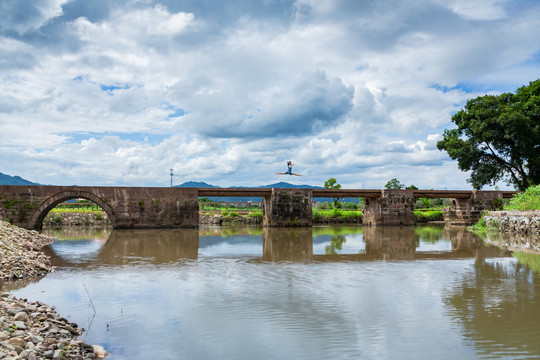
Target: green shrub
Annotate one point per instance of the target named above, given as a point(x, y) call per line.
point(528, 200)
point(324, 206)
point(336, 213)
point(350, 206)
point(231, 214)
point(316, 214)
point(99, 216)
point(256, 214)
point(480, 226)
point(57, 219)
point(352, 214)
point(431, 215)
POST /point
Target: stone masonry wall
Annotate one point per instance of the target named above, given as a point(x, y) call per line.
point(76, 219)
point(394, 207)
point(469, 211)
point(288, 207)
point(518, 222)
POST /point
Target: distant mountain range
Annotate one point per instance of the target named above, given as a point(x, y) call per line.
point(14, 180)
point(279, 185)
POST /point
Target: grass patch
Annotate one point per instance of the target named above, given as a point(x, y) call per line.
point(256, 214)
point(335, 213)
point(428, 215)
point(229, 214)
point(61, 210)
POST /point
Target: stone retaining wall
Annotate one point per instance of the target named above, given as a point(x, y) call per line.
point(518, 222)
point(210, 219)
point(76, 219)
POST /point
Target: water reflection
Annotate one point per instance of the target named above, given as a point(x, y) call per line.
point(269, 244)
point(517, 242)
point(497, 305)
point(320, 293)
point(295, 244)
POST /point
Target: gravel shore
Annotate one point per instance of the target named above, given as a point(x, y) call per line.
point(33, 330)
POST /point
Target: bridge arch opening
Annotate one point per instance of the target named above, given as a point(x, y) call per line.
point(36, 221)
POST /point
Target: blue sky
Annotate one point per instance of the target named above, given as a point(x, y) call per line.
point(118, 92)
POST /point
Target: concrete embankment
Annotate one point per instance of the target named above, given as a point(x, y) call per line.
point(33, 330)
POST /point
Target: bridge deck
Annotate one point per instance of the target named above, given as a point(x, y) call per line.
point(348, 193)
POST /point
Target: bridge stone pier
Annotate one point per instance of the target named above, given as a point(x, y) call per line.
point(288, 207)
point(392, 207)
point(467, 211)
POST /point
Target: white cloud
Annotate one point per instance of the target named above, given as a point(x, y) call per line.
point(355, 90)
point(25, 16)
point(478, 9)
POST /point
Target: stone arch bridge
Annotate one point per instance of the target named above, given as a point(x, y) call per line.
point(151, 207)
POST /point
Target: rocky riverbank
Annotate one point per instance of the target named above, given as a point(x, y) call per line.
point(33, 330)
point(20, 255)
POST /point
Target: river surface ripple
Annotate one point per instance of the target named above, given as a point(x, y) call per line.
point(316, 293)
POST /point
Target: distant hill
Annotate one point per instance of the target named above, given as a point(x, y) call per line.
point(279, 185)
point(284, 185)
point(199, 184)
point(14, 180)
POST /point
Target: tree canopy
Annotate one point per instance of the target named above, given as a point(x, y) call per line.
point(498, 138)
point(332, 184)
point(394, 184)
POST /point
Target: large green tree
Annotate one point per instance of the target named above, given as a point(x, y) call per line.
point(498, 138)
point(333, 184)
point(394, 184)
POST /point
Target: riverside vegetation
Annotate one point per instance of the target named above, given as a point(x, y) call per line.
point(529, 200)
point(521, 216)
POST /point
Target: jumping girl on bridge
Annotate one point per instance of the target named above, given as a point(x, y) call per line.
point(289, 170)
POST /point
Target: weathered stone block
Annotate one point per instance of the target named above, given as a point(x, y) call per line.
point(288, 207)
point(394, 207)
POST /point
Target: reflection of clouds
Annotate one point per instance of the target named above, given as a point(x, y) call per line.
point(354, 244)
point(496, 303)
point(77, 250)
point(439, 245)
point(225, 248)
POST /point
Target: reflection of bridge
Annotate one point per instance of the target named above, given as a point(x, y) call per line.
point(278, 244)
point(136, 207)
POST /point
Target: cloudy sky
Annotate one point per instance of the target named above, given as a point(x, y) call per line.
point(117, 92)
